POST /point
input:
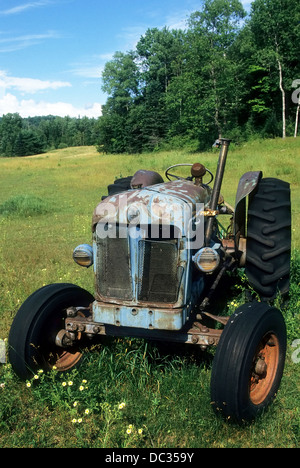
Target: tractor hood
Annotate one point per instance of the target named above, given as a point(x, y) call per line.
point(166, 203)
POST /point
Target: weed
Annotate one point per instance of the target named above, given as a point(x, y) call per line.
point(24, 206)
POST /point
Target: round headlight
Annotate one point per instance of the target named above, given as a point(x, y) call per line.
point(206, 260)
point(83, 255)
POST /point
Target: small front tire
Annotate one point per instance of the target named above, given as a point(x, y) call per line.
point(34, 329)
point(249, 362)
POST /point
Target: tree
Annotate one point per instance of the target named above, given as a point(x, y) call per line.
point(224, 75)
point(121, 81)
point(10, 127)
point(276, 34)
point(213, 31)
point(27, 143)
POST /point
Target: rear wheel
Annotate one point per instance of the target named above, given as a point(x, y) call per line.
point(119, 185)
point(269, 238)
point(32, 336)
point(249, 362)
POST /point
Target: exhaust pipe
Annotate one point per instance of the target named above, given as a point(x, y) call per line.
point(223, 144)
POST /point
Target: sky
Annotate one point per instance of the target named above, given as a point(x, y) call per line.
point(52, 52)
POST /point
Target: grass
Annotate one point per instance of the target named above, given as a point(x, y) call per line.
point(46, 204)
point(24, 206)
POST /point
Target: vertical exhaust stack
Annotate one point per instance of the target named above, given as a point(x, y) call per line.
point(223, 144)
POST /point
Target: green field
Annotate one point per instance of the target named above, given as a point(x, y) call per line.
point(46, 206)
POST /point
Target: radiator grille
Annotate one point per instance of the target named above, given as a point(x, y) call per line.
point(113, 275)
point(156, 273)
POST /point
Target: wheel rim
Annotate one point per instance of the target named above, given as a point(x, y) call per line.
point(64, 360)
point(54, 357)
point(264, 368)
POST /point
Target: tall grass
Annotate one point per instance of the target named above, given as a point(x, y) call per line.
point(24, 206)
point(127, 393)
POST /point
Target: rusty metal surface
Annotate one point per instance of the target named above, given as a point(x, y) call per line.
point(168, 204)
point(215, 195)
point(247, 185)
point(139, 317)
point(183, 263)
point(145, 178)
point(195, 333)
point(152, 199)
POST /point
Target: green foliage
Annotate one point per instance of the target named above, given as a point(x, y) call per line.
point(35, 135)
point(219, 77)
point(24, 206)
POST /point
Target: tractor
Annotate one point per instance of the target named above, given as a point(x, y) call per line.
point(159, 253)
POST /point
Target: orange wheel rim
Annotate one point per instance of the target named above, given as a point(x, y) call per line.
point(66, 360)
point(264, 368)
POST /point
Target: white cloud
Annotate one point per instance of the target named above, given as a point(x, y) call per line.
point(28, 85)
point(31, 108)
point(88, 71)
point(14, 43)
point(26, 6)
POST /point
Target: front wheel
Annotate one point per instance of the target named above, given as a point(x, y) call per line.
point(33, 332)
point(249, 362)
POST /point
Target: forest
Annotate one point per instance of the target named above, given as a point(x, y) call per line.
point(34, 135)
point(227, 74)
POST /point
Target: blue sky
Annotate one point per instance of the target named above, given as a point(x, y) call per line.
point(52, 52)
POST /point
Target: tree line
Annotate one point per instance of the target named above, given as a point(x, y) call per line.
point(34, 135)
point(226, 74)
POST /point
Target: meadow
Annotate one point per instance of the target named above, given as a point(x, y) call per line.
point(127, 393)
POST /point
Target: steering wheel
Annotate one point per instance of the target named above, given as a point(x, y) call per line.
point(169, 176)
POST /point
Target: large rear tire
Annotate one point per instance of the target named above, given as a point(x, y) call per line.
point(249, 362)
point(119, 185)
point(34, 329)
point(269, 238)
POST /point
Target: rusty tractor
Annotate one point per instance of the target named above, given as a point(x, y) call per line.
point(159, 254)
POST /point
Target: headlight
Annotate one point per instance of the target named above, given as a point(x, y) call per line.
point(206, 260)
point(83, 255)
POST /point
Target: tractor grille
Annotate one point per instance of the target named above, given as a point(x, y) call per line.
point(158, 275)
point(113, 269)
point(155, 276)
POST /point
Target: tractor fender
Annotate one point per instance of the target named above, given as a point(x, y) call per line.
point(247, 184)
